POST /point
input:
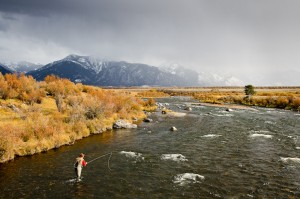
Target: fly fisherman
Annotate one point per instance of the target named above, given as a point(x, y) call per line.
point(80, 162)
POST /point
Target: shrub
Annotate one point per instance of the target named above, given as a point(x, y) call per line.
point(296, 104)
point(149, 102)
point(282, 102)
point(249, 90)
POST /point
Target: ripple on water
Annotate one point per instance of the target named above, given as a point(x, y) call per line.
point(131, 154)
point(72, 180)
point(174, 157)
point(270, 122)
point(257, 135)
point(224, 115)
point(211, 136)
point(290, 160)
point(187, 178)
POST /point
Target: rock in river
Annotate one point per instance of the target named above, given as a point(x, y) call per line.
point(228, 109)
point(173, 128)
point(188, 109)
point(122, 124)
point(148, 120)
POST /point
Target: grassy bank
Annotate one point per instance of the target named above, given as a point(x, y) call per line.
point(270, 97)
point(39, 116)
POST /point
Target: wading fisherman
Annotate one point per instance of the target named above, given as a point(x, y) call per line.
point(80, 162)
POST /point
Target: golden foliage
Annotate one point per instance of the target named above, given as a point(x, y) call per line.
point(21, 87)
point(68, 112)
point(152, 93)
point(264, 99)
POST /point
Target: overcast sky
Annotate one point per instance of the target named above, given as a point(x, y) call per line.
point(257, 41)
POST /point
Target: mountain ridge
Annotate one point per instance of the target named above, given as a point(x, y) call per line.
point(103, 72)
point(22, 66)
point(4, 69)
point(100, 72)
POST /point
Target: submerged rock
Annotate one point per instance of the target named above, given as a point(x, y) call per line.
point(176, 114)
point(122, 124)
point(188, 109)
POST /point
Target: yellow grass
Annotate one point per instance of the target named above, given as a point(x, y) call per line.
point(69, 112)
point(276, 97)
point(48, 106)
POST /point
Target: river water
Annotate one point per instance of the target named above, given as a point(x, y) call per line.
point(214, 154)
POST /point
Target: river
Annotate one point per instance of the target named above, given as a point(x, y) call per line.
point(213, 154)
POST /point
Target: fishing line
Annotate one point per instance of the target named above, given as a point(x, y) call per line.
point(102, 157)
point(108, 161)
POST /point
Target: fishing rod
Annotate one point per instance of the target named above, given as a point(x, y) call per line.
point(102, 157)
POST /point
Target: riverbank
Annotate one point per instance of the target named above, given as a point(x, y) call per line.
point(270, 97)
point(229, 106)
point(39, 116)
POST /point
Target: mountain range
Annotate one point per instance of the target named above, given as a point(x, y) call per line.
point(22, 66)
point(101, 72)
point(4, 69)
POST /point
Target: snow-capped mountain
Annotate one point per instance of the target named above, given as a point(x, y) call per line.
point(189, 75)
point(211, 79)
point(102, 72)
point(4, 69)
point(94, 71)
point(202, 78)
point(87, 62)
point(22, 66)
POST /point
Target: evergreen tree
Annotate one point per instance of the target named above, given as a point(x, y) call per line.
point(249, 90)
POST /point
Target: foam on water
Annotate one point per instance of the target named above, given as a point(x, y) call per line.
point(275, 111)
point(225, 115)
point(73, 180)
point(187, 178)
point(255, 135)
point(290, 160)
point(210, 136)
point(270, 122)
point(176, 114)
point(174, 157)
point(130, 154)
point(260, 131)
point(298, 148)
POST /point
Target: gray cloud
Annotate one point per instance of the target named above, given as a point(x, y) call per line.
point(245, 38)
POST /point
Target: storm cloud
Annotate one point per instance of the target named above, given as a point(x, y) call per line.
point(253, 40)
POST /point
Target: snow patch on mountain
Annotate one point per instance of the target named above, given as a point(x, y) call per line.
point(87, 62)
point(174, 69)
point(212, 79)
point(202, 79)
point(22, 66)
point(190, 76)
